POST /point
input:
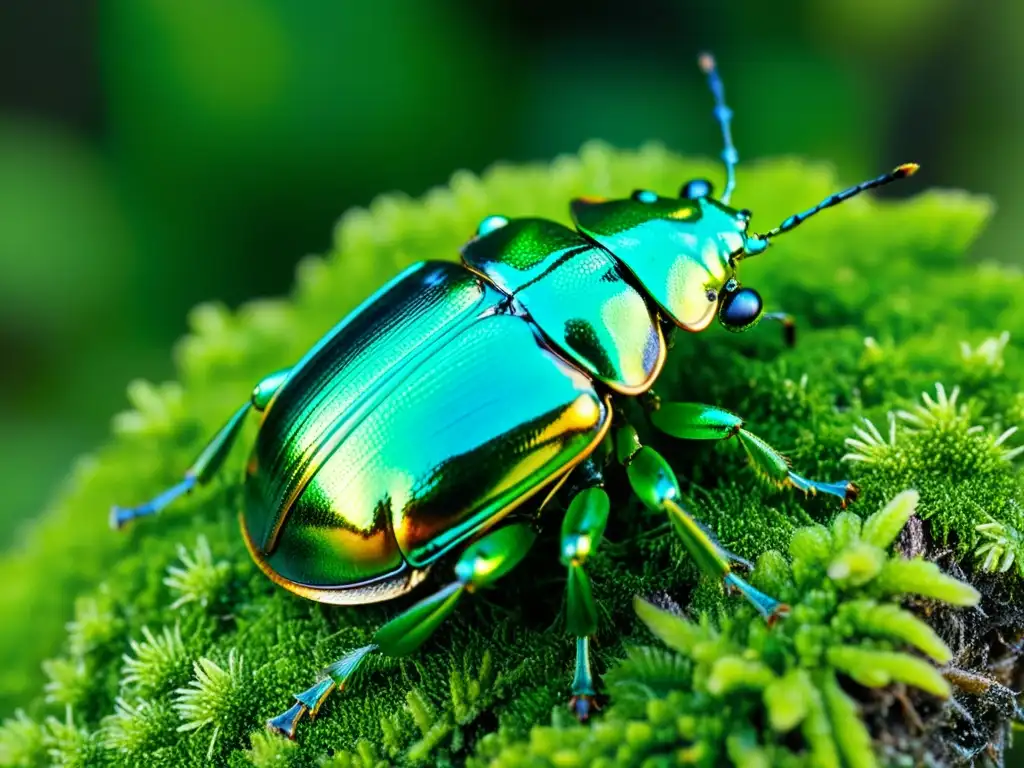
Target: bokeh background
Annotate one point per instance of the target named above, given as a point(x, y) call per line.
point(156, 154)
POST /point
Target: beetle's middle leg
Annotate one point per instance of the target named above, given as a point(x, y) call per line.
point(654, 482)
point(482, 563)
point(788, 325)
point(694, 421)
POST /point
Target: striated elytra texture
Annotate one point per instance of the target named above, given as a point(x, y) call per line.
point(178, 648)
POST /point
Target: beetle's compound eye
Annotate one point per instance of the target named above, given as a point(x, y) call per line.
point(712, 295)
point(741, 309)
point(490, 224)
point(696, 188)
point(644, 196)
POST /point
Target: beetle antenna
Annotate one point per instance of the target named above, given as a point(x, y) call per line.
point(724, 117)
point(900, 172)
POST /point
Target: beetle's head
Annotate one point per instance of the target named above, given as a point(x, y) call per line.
point(683, 251)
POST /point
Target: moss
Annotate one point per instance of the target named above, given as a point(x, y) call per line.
point(885, 299)
point(790, 694)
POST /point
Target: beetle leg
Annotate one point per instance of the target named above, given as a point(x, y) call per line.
point(210, 460)
point(655, 483)
point(788, 325)
point(582, 530)
point(483, 562)
point(584, 701)
point(693, 421)
point(264, 392)
point(204, 468)
point(335, 677)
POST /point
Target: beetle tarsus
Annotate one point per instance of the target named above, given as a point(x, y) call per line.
point(788, 326)
point(314, 698)
point(844, 490)
point(770, 609)
point(286, 723)
point(116, 520)
point(583, 705)
point(121, 516)
point(852, 493)
point(781, 611)
point(789, 334)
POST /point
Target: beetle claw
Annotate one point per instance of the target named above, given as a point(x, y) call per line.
point(781, 612)
point(119, 517)
point(852, 493)
point(583, 705)
point(286, 723)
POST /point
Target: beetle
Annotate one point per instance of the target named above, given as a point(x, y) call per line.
point(409, 438)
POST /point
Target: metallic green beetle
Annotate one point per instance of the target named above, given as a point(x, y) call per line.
point(412, 434)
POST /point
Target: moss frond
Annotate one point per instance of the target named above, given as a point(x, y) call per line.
point(1001, 544)
point(271, 751)
point(988, 354)
point(422, 731)
point(157, 409)
point(94, 624)
point(198, 579)
point(940, 412)
point(68, 681)
point(881, 529)
point(924, 579)
point(22, 742)
point(135, 728)
point(157, 662)
point(214, 697)
point(886, 620)
point(870, 445)
point(71, 744)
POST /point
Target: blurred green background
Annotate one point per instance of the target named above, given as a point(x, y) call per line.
point(155, 154)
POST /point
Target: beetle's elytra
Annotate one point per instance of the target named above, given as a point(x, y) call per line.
point(408, 439)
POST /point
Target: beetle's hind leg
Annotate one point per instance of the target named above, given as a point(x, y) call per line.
point(334, 677)
point(654, 482)
point(694, 421)
point(210, 459)
point(483, 562)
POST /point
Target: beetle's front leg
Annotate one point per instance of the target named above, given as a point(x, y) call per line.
point(481, 564)
point(582, 530)
point(694, 421)
point(654, 482)
point(210, 459)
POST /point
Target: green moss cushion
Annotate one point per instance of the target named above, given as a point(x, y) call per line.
point(178, 649)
